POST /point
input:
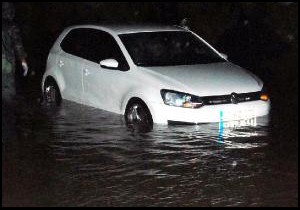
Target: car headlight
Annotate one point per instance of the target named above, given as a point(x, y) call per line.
point(264, 95)
point(179, 99)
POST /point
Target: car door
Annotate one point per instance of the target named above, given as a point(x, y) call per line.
point(71, 61)
point(102, 85)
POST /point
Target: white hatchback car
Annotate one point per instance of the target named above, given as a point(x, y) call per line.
point(150, 74)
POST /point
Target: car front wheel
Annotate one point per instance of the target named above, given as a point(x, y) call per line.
point(138, 117)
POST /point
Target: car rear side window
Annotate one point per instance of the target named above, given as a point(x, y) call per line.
point(93, 45)
point(75, 43)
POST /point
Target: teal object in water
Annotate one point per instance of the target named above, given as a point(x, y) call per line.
point(221, 127)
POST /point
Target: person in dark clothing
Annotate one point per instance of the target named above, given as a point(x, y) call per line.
point(12, 52)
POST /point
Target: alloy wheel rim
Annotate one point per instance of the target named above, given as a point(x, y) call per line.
point(133, 115)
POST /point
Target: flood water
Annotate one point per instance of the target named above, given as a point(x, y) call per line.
point(75, 155)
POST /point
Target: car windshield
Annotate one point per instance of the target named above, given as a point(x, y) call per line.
point(169, 48)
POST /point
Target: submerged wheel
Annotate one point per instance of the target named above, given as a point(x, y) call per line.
point(52, 94)
point(138, 117)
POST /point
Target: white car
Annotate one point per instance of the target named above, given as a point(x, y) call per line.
point(151, 74)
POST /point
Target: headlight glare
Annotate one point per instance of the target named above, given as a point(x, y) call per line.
point(178, 99)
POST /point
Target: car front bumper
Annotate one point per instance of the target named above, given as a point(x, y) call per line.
point(162, 114)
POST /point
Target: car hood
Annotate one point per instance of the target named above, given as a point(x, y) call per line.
point(206, 79)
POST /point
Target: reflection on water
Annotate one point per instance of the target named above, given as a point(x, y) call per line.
point(80, 156)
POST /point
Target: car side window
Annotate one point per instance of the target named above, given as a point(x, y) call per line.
point(74, 43)
point(101, 45)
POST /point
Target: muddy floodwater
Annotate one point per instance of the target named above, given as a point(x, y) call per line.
point(79, 156)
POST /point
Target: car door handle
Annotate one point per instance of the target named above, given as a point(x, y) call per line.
point(86, 72)
point(61, 63)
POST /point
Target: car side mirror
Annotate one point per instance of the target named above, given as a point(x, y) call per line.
point(225, 56)
point(109, 64)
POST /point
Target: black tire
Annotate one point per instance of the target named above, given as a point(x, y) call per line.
point(138, 117)
point(52, 94)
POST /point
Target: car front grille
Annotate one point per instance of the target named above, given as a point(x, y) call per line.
point(227, 99)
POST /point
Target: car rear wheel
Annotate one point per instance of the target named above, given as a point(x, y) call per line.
point(52, 94)
point(138, 117)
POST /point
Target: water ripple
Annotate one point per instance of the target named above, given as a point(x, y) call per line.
point(97, 161)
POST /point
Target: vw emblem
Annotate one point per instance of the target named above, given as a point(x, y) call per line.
point(234, 98)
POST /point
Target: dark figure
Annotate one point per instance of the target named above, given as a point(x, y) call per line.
point(12, 51)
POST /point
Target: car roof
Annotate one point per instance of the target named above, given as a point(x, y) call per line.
point(131, 28)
